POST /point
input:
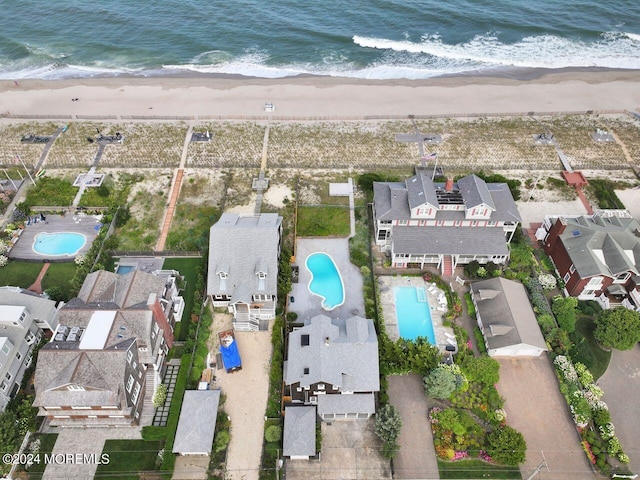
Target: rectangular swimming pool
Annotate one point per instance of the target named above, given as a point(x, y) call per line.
point(413, 314)
point(124, 269)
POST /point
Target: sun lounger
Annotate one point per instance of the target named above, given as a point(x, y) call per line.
point(448, 335)
point(451, 342)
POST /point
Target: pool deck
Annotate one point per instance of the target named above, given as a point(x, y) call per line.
point(84, 224)
point(144, 264)
point(386, 284)
point(308, 305)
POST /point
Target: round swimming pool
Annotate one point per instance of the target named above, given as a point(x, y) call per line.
point(59, 244)
point(326, 281)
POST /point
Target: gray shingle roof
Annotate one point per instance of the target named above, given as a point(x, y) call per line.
point(420, 191)
point(506, 314)
point(299, 431)
point(449, 241)
point(100, 372)
point(197, 422)
point(475, 192)
point(240, 247)
point(343, 404)
point(125, 290)
point(341, 353)
point(600, 245)
point(391, 200)
point(39, 308)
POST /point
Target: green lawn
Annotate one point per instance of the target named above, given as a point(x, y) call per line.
point(47, 441)
point(586, 350)
point(19, 274)
point(476, 469)
point(60, 275)
point(51, 192)
point(188, 267)
point(128, 457)
point(323, 221)
point(190, 227)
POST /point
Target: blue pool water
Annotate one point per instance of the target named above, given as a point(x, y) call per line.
point(413, 314)
point(124, 269)
point(58, 244)
point(326, 281)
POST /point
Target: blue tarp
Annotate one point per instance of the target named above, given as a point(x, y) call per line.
point(230, 356)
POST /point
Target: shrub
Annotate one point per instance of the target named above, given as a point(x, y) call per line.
point(273, 433)
point(442, 381)
point(160, 395)
point(507, 446)
point(565, 312)
point(547, 281)
point(221, 441)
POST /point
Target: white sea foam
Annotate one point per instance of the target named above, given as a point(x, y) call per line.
point(612, 50)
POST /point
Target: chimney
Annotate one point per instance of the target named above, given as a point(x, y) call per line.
point(326, 340)
point(555, 231)
point(449, 185)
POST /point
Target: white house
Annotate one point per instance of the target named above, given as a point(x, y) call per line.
point(243, 267)
point(23, 315)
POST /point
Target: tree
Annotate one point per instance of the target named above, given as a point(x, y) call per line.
point(387, 427)
point(483, 369)
point(507, 446)
point(442, 381)
point(55, 293)
point(617, 328)
point(565, 311)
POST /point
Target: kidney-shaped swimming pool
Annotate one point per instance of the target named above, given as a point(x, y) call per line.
point(326, 281)
point(59, 244)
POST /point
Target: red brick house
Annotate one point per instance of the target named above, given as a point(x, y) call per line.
point(597, 256)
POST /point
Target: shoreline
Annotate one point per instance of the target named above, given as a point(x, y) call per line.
point(219, 96)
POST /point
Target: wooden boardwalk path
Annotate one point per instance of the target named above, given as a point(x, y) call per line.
point(176, 185)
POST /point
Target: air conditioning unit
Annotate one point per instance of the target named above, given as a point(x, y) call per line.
point(73, 337)
point(60, 337)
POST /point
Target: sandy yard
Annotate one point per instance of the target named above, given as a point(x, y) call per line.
point(534, 212)
point(276, 194)
point(631, 200)
point(246, 394)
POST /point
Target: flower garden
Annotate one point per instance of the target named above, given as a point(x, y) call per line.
point(470, 422)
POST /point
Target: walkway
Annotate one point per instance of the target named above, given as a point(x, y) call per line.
point(263, 169)
point(176, 185)
point(627, 155)
point(17, 198)
point(37, 285)
point(416, 457)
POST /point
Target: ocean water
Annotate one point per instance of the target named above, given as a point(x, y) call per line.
point(375, 39)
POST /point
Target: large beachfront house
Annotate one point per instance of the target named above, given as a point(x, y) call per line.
point(109, 347)
point(332, 364)
point(597, 256)
point(419, 222)
point(23, 316)
point(243, 267)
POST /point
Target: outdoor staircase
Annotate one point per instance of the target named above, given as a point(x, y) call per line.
point(447, 266)
point(148, 410)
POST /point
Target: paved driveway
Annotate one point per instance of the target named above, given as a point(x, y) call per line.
point(416, 457)
point(350, 451)
point(536, 408)
point(621, 385)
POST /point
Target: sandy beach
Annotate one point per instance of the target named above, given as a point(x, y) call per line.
point(300, 97)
